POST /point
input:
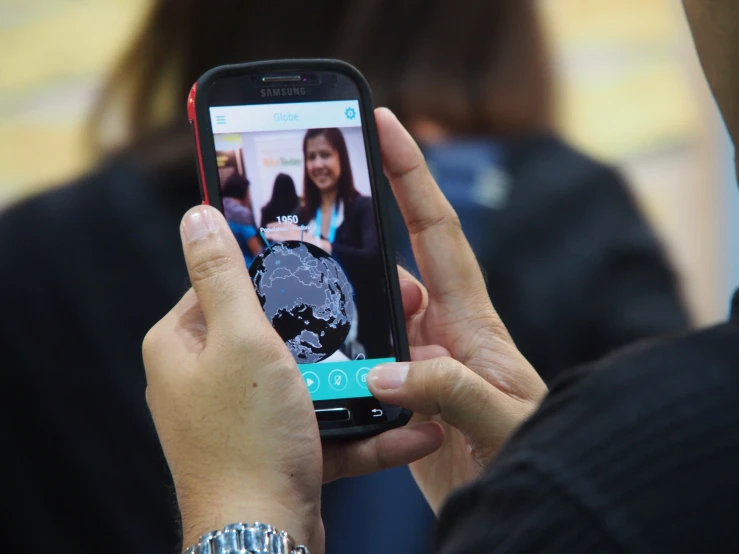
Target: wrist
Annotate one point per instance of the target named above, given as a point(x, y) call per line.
point(204, 514)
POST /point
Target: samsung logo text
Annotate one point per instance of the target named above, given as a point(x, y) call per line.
point(286, 91)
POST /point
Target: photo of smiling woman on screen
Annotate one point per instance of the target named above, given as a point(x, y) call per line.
point(344, 226)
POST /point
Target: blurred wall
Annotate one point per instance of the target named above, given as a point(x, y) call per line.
point(53, 54)
point(730, 221)
point(631, 93)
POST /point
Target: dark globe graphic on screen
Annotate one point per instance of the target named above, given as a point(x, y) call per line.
point(306, 296)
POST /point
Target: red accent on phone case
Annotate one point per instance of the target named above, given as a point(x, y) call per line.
point(194, 120)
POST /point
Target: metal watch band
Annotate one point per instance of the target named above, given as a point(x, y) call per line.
point(242, 538)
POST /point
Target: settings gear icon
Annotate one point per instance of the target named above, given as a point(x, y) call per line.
point(350, 113)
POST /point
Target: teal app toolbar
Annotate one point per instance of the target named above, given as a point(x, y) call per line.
point(335, 380)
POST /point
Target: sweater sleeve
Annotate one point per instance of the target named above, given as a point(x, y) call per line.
point(520, 510)
point(636, 453)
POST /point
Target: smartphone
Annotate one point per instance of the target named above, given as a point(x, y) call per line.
point(288, 151)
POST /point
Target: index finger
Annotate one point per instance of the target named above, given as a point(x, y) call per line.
point(444, 257)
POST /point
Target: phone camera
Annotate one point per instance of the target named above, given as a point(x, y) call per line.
point(304, 78)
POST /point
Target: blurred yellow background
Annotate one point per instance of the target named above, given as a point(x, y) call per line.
point(630, 93)
point(53, 54)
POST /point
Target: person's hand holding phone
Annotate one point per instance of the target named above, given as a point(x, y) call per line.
point(467, 372)
point(214, 369)
point(232, 411)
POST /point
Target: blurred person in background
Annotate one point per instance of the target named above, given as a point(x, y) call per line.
point(240, 215)
point(83, 450)
point(284, 200)
point(572, 266)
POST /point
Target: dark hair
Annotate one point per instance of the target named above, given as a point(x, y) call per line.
point(346, 193)
point(284, 199)
point(473, 65)
point(181, 39)
point(283, 191)
point(235, 186)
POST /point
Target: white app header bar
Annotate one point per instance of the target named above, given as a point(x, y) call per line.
point(285, 117)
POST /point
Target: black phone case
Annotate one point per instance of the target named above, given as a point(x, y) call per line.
point(382, 194)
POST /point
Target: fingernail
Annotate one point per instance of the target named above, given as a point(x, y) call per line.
point(390, 376)
point(198, 224)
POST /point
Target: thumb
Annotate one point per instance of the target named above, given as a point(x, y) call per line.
point(463, 399)
point(218, 270)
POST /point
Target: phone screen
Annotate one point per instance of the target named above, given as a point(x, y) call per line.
point(297, 194)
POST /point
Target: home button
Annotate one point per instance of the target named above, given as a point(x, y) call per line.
point(333, 415)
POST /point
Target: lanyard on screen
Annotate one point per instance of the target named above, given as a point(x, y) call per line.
point(331, 226)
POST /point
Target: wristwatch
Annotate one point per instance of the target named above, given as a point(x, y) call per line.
point(242, 538)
